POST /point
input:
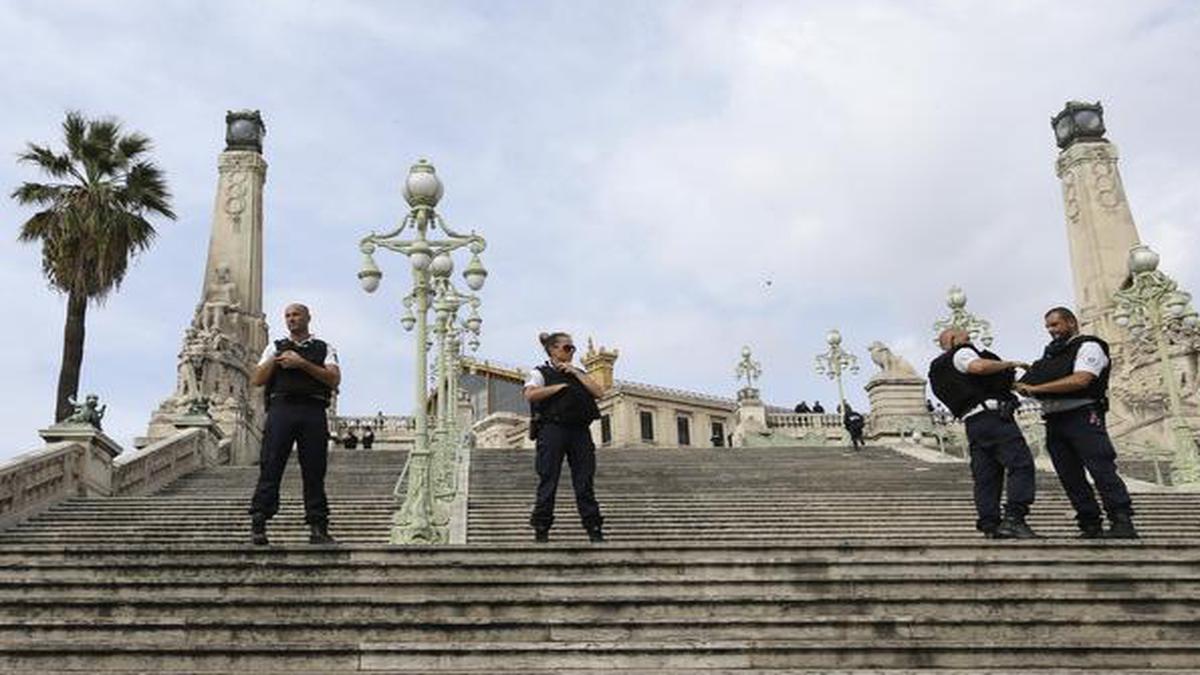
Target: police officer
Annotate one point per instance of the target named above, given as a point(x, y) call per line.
point(562, 401)
point(853, 422)
point(1071, 382)
point(300, 373)
point(976, 385)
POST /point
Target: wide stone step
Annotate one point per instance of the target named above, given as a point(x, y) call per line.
point(838, 552)
point(526, 656)
point(348, 572)
point(1122, 631)
point(980, 586)
point(623, 609)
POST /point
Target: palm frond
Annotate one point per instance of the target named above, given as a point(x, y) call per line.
point(92, 226)
point(130, 147)
point(74, 132)
point(38, 194)
point(146, 189)
point(50, 163)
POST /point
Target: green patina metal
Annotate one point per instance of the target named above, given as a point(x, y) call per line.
point(427, 488)
point(1159, 317)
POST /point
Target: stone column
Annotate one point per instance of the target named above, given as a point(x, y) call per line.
point(228, 330)
point(1100, 234)
point(1100, 227)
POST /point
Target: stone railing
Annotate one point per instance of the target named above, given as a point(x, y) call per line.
point(807, 428)
point(804, 421)
point(391, 425)
point(35, 481)
point(160, 464)
point(83, 462)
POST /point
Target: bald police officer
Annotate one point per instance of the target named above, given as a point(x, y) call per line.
point(300, 373)
point(1071, 382)
point(976, 386)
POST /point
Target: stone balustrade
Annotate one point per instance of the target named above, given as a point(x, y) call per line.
point(392, 426)
point(155, 466)
point(34, 481)
point(804, 421)
point(83, 462)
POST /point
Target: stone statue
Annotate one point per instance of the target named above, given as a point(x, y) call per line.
point(221, 300)
point(198, 406)
point(192, 363)
point(89, 413)
point(890, 364)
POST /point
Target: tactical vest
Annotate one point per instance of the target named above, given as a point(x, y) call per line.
point(294, 382)
point(1058, 361)
point(572, 405)
point(960, 392)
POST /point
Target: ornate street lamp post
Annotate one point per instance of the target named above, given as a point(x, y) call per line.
point(430, 260)
point(979, 329)
point(1158, 315)
point(835, 361)
point(451, 332)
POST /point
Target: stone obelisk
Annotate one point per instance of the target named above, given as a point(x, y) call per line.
point(1100, 228)
point(1100, 233)
point(228, 330)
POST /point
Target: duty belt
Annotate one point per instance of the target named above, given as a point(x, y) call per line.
point(989, 404)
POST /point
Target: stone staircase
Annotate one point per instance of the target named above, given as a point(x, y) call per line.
point(772, 494)
point(723, 561)
point(210, 507)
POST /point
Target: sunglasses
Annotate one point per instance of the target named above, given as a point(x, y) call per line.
point(567, 348)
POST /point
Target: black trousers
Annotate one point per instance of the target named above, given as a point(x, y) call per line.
point(302, 423)
point(999, 455)
point(575, 442)
point(856, 437)
point(1077, 440)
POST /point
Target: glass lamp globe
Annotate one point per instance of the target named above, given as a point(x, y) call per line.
point(422, 187)
point(1142, 259)
point(475, 274)
point(442, 265)
point(370, 274)
point(420, 255)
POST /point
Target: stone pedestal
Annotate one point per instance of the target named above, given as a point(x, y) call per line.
point(750, 418)
point(95, 469)
point(897, 407)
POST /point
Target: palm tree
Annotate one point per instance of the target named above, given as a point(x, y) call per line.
point(91, 223)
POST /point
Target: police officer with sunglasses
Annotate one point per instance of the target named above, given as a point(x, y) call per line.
point(562, 401)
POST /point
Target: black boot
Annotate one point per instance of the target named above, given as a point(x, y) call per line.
point(318, 533)
point(595, 535)
point(541, 536)
point(1090, 529)
point(258, 531)
point(1015, 528)
point(1122, 527)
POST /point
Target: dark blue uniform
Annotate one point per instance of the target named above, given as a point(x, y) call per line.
point(560, 425)
point(296, 404)
point(1077, 438)
point(1000, 456)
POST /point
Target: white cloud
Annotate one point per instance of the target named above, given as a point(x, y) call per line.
point(641, 171)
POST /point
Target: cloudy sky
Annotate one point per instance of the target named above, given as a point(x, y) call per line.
point(676, 179)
